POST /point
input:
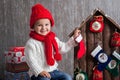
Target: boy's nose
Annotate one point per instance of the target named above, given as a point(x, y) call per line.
point(43, 27)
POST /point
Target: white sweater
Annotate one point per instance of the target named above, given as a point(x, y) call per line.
point(35, 56)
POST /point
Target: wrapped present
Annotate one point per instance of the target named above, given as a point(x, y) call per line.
point(15, 60)
point(15, 55)
point(8, 57)
point(16, 76)
point(16, 68)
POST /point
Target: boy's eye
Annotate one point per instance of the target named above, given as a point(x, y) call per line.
point(46, 24)
point(39, 25)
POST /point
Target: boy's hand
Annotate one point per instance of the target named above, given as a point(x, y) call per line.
point(45, 74)
point(76, 33)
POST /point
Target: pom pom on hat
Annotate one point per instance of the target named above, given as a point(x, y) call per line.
point(40, 12)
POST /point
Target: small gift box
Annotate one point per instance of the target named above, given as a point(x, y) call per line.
point(15, 55)
point(15, 60)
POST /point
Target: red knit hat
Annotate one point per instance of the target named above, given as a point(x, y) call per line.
point(40, 12)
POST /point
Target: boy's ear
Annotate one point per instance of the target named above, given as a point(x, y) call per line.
point(32, 29)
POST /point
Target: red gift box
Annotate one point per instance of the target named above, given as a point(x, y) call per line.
point(15, 55)
point(15, 60)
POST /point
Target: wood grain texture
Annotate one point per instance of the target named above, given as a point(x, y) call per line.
point(68, 14)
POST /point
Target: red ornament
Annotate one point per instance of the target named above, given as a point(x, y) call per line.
point(115, 41)
point(97, 24)
point(97, 75)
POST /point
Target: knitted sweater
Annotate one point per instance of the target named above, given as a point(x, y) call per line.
point(35, 55)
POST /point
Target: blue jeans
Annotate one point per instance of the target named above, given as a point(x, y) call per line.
point(55, 75)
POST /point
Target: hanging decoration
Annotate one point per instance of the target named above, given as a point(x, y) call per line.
point(112, 67)
point(115, 41)
point(97, 74)
point(97, 24)
point(102, 58)
point(80, 75)
point(82, 48)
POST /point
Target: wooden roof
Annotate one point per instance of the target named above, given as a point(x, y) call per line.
point(97, 12)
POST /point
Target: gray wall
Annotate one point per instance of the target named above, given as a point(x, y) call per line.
point(68, 14)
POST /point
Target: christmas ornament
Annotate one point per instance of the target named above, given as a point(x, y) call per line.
point(97, 75)
point(97, 24)
point(116, 56)
point(82, 48)
point(101, 57)
point(112, 67)
point(115, 41)
point(80, 75)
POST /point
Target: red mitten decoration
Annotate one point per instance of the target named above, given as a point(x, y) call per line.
point(97, 24)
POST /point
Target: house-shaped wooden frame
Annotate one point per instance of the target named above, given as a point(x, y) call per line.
point(87, 62)
point(98, 12)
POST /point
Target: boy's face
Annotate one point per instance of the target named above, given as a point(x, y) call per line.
point(42, 26)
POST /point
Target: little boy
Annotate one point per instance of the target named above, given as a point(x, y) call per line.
point(44, 49)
